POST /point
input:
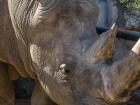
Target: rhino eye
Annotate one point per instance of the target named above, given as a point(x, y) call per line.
point(65, 69)
point(64, 73)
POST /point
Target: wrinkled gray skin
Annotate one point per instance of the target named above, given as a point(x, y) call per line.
point(55, 43)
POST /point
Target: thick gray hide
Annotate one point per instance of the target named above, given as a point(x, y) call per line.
point(55, 42)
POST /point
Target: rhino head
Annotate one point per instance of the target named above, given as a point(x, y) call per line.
point(68, 57)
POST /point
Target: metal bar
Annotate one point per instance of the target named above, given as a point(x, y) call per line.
point(125, 34)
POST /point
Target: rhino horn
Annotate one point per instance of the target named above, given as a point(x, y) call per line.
point(136, 48)
point(123, 77)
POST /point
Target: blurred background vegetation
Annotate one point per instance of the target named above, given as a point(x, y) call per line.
point(129, 14)
point(130, 5)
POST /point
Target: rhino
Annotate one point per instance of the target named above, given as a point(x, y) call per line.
point(55, 43)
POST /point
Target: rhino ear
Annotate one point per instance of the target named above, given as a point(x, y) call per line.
point(103, 49)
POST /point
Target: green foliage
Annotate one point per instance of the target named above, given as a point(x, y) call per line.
point(121, 21)
point(130, 4)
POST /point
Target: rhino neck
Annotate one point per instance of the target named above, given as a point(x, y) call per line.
point(20, 11)
point(47, 3)
point(42, 11)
